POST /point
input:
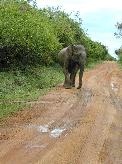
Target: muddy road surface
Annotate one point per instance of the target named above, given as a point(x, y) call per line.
point(69, 126)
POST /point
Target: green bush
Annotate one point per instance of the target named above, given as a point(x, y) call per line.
point(67, 30)
point(95, 51)
point(27, 36)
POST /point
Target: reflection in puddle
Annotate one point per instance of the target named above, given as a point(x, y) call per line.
point(40, 128)
point(114, 87)
point(32, 146)
point(52, 132)
point(43, 129)
point(56, 132)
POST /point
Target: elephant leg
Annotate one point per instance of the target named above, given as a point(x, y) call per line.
point(67, 82)
point(73, 75)
point(80, 77)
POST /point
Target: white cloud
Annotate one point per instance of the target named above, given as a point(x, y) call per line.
point(82, 5)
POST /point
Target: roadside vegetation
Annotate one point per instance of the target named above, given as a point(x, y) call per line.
point(17, 88)
point(30, 39)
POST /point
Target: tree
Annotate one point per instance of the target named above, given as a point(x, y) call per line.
point(119, 28)
point(119, 35)
point(118, 51)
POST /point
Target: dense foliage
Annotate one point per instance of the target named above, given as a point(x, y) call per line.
point(31, 36)
point(27, 36)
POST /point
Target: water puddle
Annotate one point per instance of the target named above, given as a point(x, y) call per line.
point(36, 146)
point(114, 87)
point(56, 132)
point(43, 129)
point(51, 131)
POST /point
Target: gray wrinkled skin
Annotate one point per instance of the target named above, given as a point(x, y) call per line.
point(72, 58)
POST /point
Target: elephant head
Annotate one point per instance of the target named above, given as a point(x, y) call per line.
point(77, 53)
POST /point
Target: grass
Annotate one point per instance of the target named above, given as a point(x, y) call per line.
point(91, 65)
point(17, 87)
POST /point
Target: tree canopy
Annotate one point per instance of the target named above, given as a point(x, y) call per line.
point(119, 30)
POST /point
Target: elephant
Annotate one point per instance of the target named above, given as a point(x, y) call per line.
point(71, 59)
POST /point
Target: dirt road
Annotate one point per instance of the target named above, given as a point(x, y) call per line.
point(69, 126)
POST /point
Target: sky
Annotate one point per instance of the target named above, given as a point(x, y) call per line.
point(99, 18)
